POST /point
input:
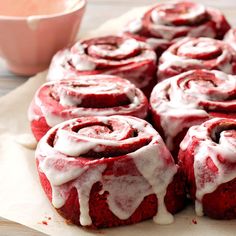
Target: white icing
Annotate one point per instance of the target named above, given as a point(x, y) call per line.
point(84, 186)
point(224, 61)
point(82, 62)
point(202, 46)
point(158, 16)
point(51, 118)
point(66, 100)
point(162, 216)
point(127, 47)
point(166, 32)
point(198, 208)
point(230, 38)
point(67, 143)
point(33, 22)
point(154, 170)
point(57, 68)
point(168, 59)
point(125, 192)
point(62, 174)
point(230, 142)
point(135, 26)
point(124, 195)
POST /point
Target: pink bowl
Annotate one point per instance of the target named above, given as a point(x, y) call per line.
point(28, 43)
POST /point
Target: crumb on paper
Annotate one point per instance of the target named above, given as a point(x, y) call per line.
point(44, 222)
point(194, 221)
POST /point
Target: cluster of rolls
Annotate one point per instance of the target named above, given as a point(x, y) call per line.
point(129, 125)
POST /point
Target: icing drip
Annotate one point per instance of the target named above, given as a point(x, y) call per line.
point(82, 63)
point(124, 195)
point(82, 177)
point(154, 163)
point(135, 26)
point(230, 38)
point(157, 174)
point(84, 187)
point(163, 216)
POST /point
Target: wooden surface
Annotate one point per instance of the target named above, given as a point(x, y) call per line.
point(97, 12)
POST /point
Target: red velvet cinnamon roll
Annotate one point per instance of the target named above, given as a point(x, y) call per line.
point(230, 38)
point(189, 99)
point(208, 157)
point(109, 171)
point(91, 95)
point(127, 58)
point(165, 23)
point(196, 53)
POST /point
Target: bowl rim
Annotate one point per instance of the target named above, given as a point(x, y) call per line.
point(80, 6)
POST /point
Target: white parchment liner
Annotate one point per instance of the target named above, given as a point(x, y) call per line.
point(21, 196)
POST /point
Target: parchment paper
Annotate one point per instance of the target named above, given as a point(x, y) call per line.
point(21, 196)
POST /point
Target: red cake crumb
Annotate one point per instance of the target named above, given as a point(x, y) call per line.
point(194, 221)
point(44, 222)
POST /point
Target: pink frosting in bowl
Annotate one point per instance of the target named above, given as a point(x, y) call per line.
point(32, 31)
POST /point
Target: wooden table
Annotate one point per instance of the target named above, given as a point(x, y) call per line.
point(97, 12)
